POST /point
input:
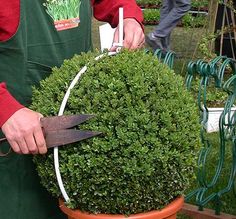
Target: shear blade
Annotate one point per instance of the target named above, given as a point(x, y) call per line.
point(63, 137)
point(63, 122)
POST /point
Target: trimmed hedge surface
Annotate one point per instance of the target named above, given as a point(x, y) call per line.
point(147, 153)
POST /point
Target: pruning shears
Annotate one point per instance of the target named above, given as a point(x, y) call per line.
point(58, 130)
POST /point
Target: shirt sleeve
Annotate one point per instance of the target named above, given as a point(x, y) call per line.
point(108, 10)
point(9, 19)
point(8, 104)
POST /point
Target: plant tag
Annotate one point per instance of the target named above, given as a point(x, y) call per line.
point(106, 33)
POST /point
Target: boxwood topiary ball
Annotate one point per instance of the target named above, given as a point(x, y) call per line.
point(147, 153)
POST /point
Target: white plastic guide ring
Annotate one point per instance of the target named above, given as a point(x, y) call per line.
point(61, 111)
point(121, 29)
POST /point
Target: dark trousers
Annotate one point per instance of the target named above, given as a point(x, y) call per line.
point(171, 13)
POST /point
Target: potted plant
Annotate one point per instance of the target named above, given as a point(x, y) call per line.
point(214, 103)
point(206, 79)
point(146, 156)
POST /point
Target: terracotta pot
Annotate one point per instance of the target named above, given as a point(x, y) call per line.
point(66, 24)
point(169, 212)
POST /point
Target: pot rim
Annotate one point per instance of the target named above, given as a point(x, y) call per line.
point(171, 209)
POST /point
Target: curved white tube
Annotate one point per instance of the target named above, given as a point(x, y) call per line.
point(61, 111)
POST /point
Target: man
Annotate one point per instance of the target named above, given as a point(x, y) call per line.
point(30, 45)
point(171, 13)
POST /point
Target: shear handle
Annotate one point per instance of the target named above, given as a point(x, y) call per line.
point(2, 140)
point(1, 153)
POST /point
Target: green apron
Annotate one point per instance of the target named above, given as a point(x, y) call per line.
point(25, 59)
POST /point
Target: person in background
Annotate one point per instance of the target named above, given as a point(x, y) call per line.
point(31, 43)
point(171, 13)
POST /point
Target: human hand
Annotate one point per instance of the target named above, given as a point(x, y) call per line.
point(24, 133)
point(133, 35)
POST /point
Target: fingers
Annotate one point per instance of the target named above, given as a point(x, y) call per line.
point(24, 133)
point(22, 145)
point(15, 147)
point(40, 141)
point(133, 35)
point(133, 41)
point(39, 138)
point(19, 145)
point(31, 143)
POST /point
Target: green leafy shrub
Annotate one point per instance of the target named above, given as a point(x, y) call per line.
point(189, 20)
point(196, 4)
point(151, 15)
point(147, 154)
point(215, 97)
point(156, 3)
point(200, 3)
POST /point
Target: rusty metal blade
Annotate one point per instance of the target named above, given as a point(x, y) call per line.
point(63, 137)
point(63, 122)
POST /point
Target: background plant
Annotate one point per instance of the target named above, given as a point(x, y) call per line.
point(216, 97)
point(147, 154)
point(189, 20)
point(199, 3)
point(149, 2)
point(204, 46)
point(63, 9)
point(194, 3)
point(151, 15)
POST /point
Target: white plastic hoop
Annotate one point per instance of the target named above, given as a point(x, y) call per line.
point(61, 111)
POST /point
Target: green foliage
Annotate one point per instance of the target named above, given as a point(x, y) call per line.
point(199, 3)
point(215, 97)
point(194, 3)
point(149, 2)
point(151, 15)
point(63, 9)
point(204, 46)
point(147, 154)
point(189, 20)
